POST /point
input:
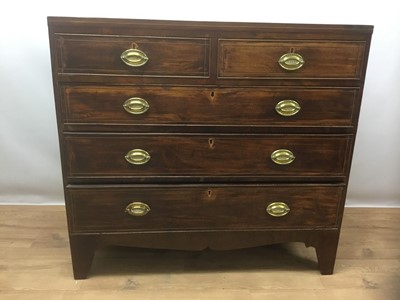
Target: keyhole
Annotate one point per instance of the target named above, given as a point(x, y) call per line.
point(213, 97)
point(211, 143)
point(291, 50)
point(209, 193)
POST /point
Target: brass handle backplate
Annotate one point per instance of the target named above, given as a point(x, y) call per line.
point(287, 108)
point(137, 157)
point(291, 61)
point(278, 209)
point(136, 106)
point(282, 157)
point(134, 57)
point(137, 209)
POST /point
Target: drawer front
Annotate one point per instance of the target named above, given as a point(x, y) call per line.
point(203, 207)
point(212, 106)
point(102, 55)
point(259, 59)
point(201, 155)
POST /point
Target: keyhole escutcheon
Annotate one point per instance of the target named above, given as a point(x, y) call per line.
point(211, 143)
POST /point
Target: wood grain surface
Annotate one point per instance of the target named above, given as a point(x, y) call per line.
point(35, 264)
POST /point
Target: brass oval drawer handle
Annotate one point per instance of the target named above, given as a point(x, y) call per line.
point(134, 57)
point(137, 209)
point(137, 157)
point(136, 106)
point(282, 157)
point(278, 209)
point(287, 108)
point(291, 61)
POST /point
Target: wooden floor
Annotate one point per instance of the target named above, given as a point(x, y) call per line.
point(35, 264)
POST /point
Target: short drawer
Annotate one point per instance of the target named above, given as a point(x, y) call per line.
point(199, 207)
point(303, 59)
point(211, 106)
point(206, 155)
point(133, 55)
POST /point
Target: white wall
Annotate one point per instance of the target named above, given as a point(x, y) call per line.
point(29, 160)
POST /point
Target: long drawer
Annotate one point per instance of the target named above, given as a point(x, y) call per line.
point(211, 106)
point(298, 59)
point(199, 207)
point(105, 155)
point(133, 55)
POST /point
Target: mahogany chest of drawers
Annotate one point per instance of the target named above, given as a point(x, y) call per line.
point(194, 135)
